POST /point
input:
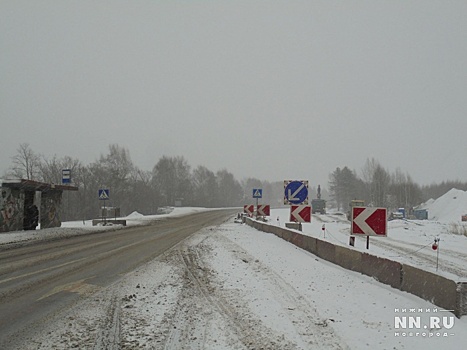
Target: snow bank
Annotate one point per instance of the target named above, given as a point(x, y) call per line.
point(76, 228)
point(449, 207)
point(135, 214)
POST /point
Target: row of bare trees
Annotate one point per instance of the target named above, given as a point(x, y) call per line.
point(376, 186)
point(380, 188)
point(171, 180)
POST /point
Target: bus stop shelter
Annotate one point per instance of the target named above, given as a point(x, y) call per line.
point(25, 203)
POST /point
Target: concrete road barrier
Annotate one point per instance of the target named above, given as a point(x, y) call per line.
point(348, 259)
point(441, 291)
point(384, 270)
point(429, 286)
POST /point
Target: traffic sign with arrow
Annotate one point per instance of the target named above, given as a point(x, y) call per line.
point(300, 213)
point(296, 192)
point(249, 209)
point(263, 210)
point(369, 221)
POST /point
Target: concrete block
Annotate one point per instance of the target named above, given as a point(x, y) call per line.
point(348, 258)
point(383, 270)
point(461, 307)
point(429, 286)
point(294, 225)
point(326, 250)
point(309, 244)
point(297, 240)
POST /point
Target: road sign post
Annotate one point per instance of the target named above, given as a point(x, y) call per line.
point(300, 213)
point(368, 222)
point(257, 193)
point(249, 209)
point(104, 194)
point(66, 180)
point(296, 195)
point(263, 210)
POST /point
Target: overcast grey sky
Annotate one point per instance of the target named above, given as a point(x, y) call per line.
point(268, 89)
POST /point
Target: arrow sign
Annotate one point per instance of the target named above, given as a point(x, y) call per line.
point(296, 192)
point(300, 213)
point(369, 221)
point(249, 209)
point(263, 210)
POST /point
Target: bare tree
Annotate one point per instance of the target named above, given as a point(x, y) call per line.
point(343, 185)
point(230, 190)
point(114, 171)
point(50, 169)
point(377, 181)
point(205, 190)
point(171, 177)
point(142, 197)
point(26, 163)
point(405, 192)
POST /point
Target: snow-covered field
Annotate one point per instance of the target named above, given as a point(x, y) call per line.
point(408, 241)
point(233, 287)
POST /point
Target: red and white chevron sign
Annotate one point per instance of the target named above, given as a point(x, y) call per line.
point(300, 213)
point(249, 209)
point(369, 221)
point(263, 210)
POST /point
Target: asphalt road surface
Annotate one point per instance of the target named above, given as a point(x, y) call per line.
point(38, 281)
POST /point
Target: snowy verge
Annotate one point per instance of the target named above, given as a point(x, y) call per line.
point(233, 287)
point(76, 228)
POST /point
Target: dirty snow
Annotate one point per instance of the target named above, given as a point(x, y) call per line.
point(233, 287)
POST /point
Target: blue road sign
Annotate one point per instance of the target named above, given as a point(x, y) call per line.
point(257, 193)
point(104, 194)
point(66, 176)
point(296, 192)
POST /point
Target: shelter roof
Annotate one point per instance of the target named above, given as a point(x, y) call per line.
point(32, 185)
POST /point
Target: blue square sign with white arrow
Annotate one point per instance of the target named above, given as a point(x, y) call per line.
point(296, 192)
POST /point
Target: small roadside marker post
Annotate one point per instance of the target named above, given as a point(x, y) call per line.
point(435, 246)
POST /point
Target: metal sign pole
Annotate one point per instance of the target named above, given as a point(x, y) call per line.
point(104, 213)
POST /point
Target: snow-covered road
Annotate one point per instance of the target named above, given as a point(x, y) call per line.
point(233, 287)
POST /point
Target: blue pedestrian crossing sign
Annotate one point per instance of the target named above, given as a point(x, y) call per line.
point(104, 194)
point(257, 193)
point(296, 192)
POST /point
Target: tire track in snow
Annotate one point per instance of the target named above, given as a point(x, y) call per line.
point(313, 331)
point(199, 275)
point(109, 331)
